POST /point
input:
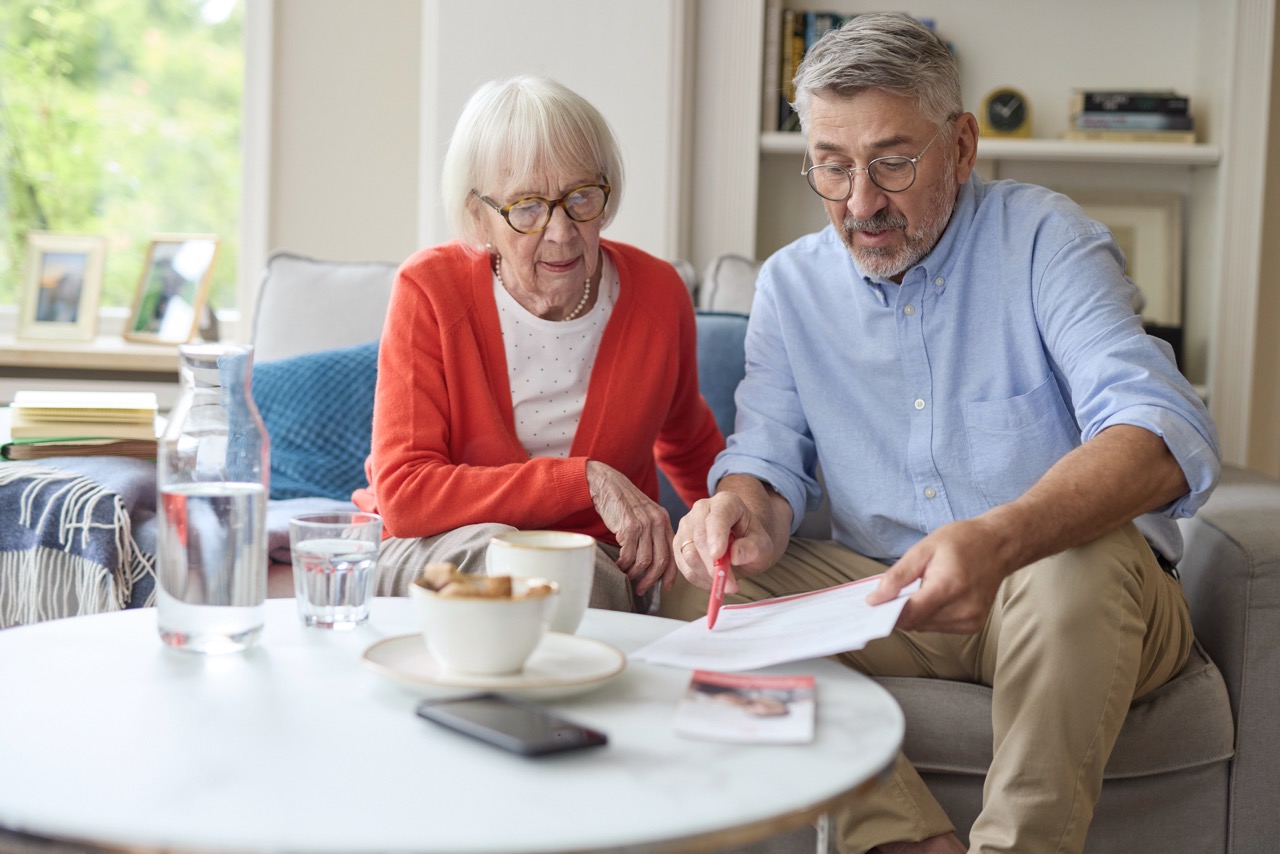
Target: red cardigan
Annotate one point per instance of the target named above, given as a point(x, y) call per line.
point(445, 452)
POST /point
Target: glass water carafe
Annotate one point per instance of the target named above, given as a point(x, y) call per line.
point(213, 470)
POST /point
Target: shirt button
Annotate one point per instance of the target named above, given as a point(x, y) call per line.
point(939, 281)
point(919, 404)
point(930, 492)
point(909, 310)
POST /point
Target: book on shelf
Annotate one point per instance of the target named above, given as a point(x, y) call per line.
point(1109, 120)
point(1103, 135)
point(1130, 101)
point(21, 427)
point(818, 24)
point(771, 86)
point(133, 406)
point(788, 35)
point(83, 414)
point(792, 53)
point(747, 707)
point(39, 449)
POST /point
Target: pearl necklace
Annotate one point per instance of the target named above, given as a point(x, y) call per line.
point(573, 315)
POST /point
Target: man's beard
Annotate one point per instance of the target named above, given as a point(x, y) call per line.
point(885, 263)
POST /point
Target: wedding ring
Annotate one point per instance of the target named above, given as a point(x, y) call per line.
point(685, 544)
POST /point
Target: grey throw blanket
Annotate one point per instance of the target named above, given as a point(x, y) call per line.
point(77, 536)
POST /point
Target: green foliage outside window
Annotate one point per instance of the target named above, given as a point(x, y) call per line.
point(120, 118)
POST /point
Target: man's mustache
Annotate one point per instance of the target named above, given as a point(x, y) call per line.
point(880, 222)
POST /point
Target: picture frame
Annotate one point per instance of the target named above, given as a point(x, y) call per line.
point(62, 286)
point(173, 288)
point(1147, 226)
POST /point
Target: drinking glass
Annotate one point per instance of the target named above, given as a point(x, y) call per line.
point(335, 565)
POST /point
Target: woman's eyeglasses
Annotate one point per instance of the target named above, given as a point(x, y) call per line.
point(533, 213)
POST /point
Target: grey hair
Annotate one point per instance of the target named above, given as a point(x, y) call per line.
point(889, 51)
point(511, 129)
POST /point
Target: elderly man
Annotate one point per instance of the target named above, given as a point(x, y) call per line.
point(963, 361)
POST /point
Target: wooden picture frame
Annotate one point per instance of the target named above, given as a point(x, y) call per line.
point(173, 288)
point(62, 286)
point(1147, 226)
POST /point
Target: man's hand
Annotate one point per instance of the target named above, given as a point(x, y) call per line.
point(1119, 474)
point(961, 571)
point(642, 527)
point(758, 518)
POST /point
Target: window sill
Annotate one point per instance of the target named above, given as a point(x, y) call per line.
point(108, 352)
point(104, 353)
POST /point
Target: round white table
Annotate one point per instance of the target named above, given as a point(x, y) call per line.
point(108, 737)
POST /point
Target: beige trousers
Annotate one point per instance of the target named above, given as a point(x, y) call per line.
point(1070, 642)
point(400, 561)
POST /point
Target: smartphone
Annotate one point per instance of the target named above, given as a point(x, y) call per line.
point(512, 724)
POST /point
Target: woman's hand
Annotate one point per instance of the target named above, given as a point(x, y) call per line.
point(641, 525)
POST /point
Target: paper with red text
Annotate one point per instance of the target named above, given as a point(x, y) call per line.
point(790, 628)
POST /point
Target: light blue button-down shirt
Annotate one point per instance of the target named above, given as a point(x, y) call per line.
point(1012, 342)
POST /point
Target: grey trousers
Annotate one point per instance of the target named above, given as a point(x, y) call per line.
point(400, 561)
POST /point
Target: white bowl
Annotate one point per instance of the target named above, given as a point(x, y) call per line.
point(484, 636)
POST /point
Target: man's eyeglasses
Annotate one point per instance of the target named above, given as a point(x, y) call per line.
point(533, 213)
point(892, 174)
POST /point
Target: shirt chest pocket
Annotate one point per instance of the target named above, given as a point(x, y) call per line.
point(1013, 442)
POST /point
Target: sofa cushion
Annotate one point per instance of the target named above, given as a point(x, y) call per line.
point(949, 724)
point(721, 365)
point(722, 337)
point(318, 410)
point(307, 304)
point(728, 284)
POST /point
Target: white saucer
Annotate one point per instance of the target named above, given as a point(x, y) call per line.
point(561, 665)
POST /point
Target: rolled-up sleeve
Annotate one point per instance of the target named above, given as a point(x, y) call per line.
point(1114, 372)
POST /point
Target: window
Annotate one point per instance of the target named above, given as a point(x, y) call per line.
point(121, 118)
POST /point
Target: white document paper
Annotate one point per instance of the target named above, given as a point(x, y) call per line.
point(758, 634)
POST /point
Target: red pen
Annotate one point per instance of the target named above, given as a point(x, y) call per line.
point(721, 567)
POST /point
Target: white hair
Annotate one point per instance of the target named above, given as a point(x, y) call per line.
point(511, 129)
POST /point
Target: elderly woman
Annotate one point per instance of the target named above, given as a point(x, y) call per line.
point(530, 372)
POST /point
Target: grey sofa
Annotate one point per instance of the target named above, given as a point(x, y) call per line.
point(1195, 766)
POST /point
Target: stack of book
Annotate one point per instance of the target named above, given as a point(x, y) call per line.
point(788, 34)
point(81, 423)
point(1131, 116)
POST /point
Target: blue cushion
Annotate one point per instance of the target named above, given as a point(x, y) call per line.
point(318, 410)
point(721, 365)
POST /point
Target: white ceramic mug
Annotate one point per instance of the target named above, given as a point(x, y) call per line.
point(566, 558)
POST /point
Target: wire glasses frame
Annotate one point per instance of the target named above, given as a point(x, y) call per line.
point(893, 174)
point(532, 214)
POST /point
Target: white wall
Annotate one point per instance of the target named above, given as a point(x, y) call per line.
point(344, 128)
point(625, 58)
